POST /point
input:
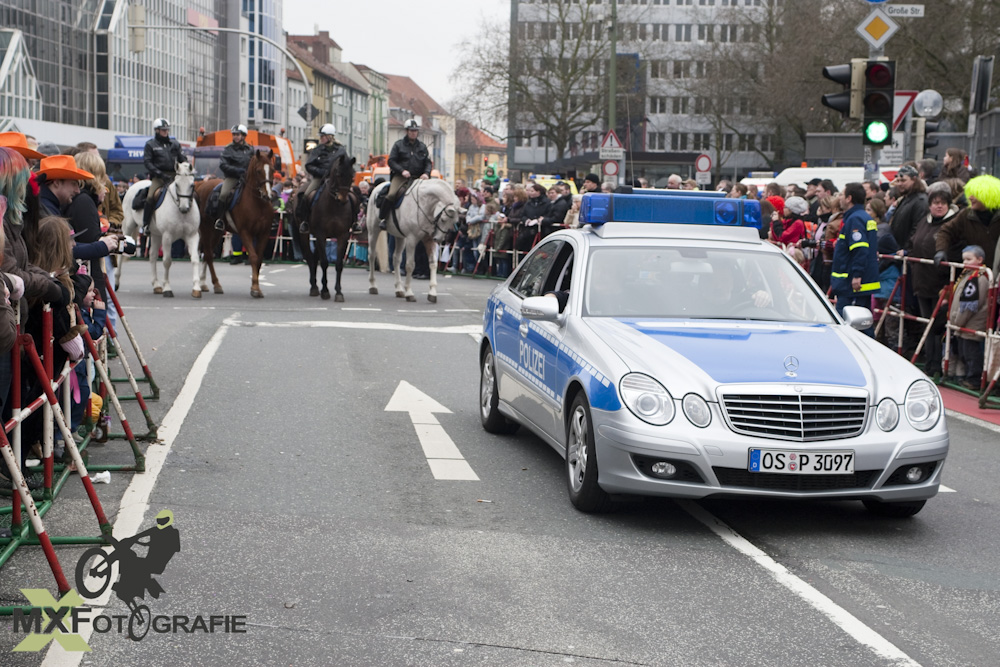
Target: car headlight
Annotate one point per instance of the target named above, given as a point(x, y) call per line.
point(887, 414)
point(696, 410)
point(923, 405)
point(647, 399)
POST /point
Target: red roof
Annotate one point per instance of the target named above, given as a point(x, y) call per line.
point(404, 93)
point(301, 52)
point(468, 136)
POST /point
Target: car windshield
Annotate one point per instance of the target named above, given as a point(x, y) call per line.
point(699, 283)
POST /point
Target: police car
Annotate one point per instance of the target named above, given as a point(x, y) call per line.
point(664, 349)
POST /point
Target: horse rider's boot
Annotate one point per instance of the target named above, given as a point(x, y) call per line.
point(383, 212)
point(302, 211)
point(220, 222)
point(147, 213)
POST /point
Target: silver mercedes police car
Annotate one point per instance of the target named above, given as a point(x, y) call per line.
point(664, 349)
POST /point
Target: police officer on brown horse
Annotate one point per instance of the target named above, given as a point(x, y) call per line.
point(160, 157)
point(318, 167)
point(409, 159)
point(234, 162)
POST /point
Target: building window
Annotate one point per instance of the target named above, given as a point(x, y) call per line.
point(706, 33)
point(747, 142)
point(657, 141)
point(680, 105)
point(766, 143)
point(682, 32)
point(678, 141)
point(661, 31)
point(701, 141)
point(658, 104)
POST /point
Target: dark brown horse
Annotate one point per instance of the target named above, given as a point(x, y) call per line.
point(251, 218)
point(331, 217)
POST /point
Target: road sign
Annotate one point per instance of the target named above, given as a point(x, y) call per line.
point(611, 140)
point(610, 168)
point(703, 177)
point(611, 153)
point(308, 112)
point(877, 28)
point(905, 11)
point(703, 163)
point(901, 104)
point(893, 153)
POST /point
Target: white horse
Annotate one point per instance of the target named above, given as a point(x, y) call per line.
point(177, 218)
point(429, 211)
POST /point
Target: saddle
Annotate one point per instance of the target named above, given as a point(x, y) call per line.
point(213, 199)
point(139, 202)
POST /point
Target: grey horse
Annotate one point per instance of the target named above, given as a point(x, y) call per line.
point(428, 212)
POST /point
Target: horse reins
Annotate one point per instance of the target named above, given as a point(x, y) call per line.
point(436, 218)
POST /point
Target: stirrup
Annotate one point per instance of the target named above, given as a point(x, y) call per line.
point(220, 225)
point(304, 227)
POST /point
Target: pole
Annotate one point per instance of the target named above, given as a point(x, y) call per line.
point(613, 80)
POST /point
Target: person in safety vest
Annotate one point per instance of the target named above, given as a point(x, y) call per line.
point(160, 157)
point(234, 163)
point(408, 159)
point(854, 276)
point(318, 167)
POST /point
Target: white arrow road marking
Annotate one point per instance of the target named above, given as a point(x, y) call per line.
point(443, 457)
point(946, 489)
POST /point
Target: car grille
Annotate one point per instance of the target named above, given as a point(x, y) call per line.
point(861, 479)
point(795, 416)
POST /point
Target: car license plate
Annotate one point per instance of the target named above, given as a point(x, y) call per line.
point(801, 463)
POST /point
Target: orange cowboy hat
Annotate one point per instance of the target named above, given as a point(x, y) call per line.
point(18, 142)
point(62, 168)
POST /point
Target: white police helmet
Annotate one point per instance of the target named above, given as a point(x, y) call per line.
point(239, 128)
point(328, 129)
point(161, 123)
point(411, 124)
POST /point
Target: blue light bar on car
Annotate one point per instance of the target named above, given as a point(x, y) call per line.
point(710, 194)
point(601, 208)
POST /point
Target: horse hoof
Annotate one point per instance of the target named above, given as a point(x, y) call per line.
point(339, 298)
point(117, 287)
point(373, 290)
point(432, 298)
point(257, 294)
point(218, 289)
point(313, 291)
point(157, 290)
point(411, 298)
point(196, 293)
point(325, 294)
point(399, 294)
point(169, 293)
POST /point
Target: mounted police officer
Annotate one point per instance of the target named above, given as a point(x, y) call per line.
point(235, 160)
point(855, 275)
point(160, 157)
point(318, 167)
point(409, 159)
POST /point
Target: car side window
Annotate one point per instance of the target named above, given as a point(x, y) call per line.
point(530, 277)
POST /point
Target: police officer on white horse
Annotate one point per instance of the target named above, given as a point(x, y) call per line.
point(234, 163)
point(160, 157)
point(318, 167)
point(408, 159)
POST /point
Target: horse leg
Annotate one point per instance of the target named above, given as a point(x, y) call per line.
point(255, 262)
point(196, 268)
point(167, 242)
point(341, 254)
point(324, 263)
point(208, 257)
point(411, 261)
point(397, 255)
point(154, 255)
point(430, 245)
point(311, 262)
point(118, 270)
point(372, 243)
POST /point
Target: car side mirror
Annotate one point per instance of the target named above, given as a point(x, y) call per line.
point(541, 308)
point(858, 318)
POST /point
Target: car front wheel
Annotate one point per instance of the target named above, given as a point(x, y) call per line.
point(581, 460)
point(489, 399)
point(898, 510)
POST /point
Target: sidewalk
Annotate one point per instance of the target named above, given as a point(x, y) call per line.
point(968, 405)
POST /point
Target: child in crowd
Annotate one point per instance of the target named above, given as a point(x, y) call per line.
point(94, 314)
point(969, 311)
point(503, 243)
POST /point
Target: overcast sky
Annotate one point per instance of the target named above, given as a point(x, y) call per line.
point(415, 38)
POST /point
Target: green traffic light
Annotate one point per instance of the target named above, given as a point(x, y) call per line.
point(877, 132)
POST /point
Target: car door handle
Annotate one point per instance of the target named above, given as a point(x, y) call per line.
point(523, 329)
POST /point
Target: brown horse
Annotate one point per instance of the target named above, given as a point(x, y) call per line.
point(251, 218)
point(331, 217)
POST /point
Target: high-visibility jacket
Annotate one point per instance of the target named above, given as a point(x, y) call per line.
point(855, 253)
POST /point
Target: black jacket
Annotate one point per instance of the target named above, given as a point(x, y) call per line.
point(321, 158)
point(160, 155)
point(557, 214)
point(48, 203)
point(910, 212)
point(410, 156)
point(235, 159)
point(536, 208)
point(84, 217)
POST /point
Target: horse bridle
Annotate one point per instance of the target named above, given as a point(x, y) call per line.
point(264, 191)
point(177, 196)
point(436, 218)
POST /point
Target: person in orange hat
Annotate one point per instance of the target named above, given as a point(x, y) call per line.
point(60, 182)
point(19, 143)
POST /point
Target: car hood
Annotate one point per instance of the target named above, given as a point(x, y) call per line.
point(686, 354)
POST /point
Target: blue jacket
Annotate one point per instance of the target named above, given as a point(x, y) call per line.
point(855, 253)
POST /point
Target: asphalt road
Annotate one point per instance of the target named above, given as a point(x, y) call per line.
point(305, 506)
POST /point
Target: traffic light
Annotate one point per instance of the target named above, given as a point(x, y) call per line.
point(851, 77)
point(877, 101)
point(486, 161)
point(922, 129)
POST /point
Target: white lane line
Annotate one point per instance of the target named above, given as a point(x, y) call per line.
point(267, 284)
point(445, 460)
point(135, 500)
point(840, 616)
point(946, 489)
point(969, 419)
point(277, 271)
point(462, 310)
point(371, 310)
point(421, 312)
point(381, 326)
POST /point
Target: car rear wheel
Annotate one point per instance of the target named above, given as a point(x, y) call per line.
point(489, 399)
point(898, 510)
point(581, 460)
